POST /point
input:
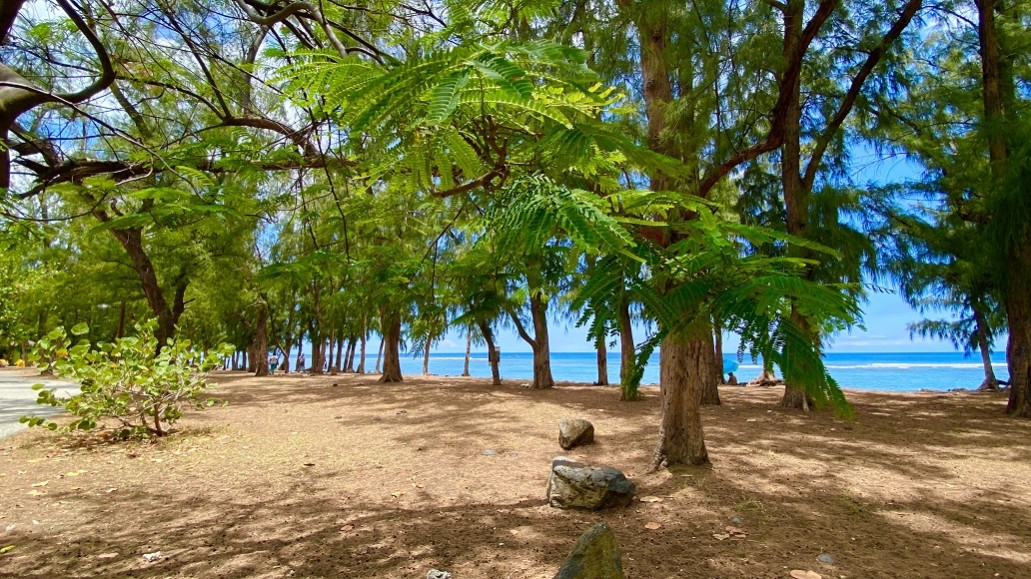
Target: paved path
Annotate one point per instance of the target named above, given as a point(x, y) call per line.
point(17, 398)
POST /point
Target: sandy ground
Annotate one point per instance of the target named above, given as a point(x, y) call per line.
point(343, 477)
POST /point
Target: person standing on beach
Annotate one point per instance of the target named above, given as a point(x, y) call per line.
point(300, 362)
point(273, 363)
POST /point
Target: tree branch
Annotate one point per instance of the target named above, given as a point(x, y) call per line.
point(849, 100)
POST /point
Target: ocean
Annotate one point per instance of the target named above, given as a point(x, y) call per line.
point(899, 372)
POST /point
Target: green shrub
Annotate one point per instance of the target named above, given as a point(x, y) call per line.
point(144, 392)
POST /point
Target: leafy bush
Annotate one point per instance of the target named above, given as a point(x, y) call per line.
point(128, 380)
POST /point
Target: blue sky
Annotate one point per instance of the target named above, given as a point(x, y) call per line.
point(885, 319)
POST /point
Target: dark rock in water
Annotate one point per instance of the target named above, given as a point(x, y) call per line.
point(573, 485)
point(595, 556)
point(436, 574)
point(574, 432)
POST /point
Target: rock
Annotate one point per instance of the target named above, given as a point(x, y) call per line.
point(825, 559)
point(437, 574)
point(577, 486)
point(574, 432)
point(595, 556)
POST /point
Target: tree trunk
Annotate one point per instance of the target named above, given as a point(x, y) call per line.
point(493, 356)
point(1018, 349)
point(683, 369)
point(627, 348)
point(603, 360)
point(426, 355)
point(996, 79)
point(348, 354)
point(379, 356)
point(120, 330)
point(991, 383)
point(132, 241)
point(284, 364)
point(796, 194)
point(717, 335)
point(541, 347)
point(468, 349)
point(259, 341)
point(390, 321)
point(361, 359)
point(318, 345)
point(330, 360)
point(710, 383)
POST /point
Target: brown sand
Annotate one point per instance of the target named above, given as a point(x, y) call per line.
point(343, 477)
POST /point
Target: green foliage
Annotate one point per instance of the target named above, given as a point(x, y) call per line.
point(144, 391)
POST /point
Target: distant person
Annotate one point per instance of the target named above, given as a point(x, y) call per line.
point(301, 362)
point(732, 379)
point(273, 363)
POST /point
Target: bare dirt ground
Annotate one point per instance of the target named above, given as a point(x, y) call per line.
point(343, 477)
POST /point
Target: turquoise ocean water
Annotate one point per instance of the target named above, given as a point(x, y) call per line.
point(902, 372)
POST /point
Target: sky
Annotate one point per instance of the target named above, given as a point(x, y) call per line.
point(885, 318)
point(885, 315)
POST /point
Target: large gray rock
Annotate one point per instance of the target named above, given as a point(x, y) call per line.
point(574, 432)
point(577, 486)
point(595, 556)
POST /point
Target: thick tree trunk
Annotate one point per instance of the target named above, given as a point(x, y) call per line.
point(390, 321)
point(997, 80)
point(683, 370)
point(1018, 349)
point(541, 347)
point(468, 350)
point(603, 361)
point(493, 356)
point(796, 194)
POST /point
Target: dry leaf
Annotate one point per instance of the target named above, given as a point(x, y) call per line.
point(736, 532)
point(5, 550)
point(156, 460)
point(36, 492)
point(347, 527)
point(653, 526)
point(73, 473)
point(41, 484)
point(721, 536)
point(107, 555)
point(800, 574)
point(110, 490)
point(651, 500)
point(309, 464)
